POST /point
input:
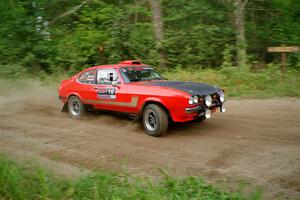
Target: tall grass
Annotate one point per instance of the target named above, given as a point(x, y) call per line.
point(36, 183)
point(266, 82)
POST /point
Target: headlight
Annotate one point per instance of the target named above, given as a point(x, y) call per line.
point(208, 100)
point(191, 100)
point(221, 96)
point(195, 99)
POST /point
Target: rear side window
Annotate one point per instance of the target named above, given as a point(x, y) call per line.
point(88, 77)
point(107, 76)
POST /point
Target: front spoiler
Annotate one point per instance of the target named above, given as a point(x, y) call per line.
point(195, 109)
point(202, 108)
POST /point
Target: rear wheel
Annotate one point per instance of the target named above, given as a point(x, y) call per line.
point(76, 108)
point(155, 120)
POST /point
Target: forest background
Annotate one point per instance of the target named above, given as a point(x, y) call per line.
point(222, 42)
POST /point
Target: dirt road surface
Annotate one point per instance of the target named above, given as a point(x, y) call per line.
point(257, 141)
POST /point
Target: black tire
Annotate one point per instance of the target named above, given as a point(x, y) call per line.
point(155, 120)
point(76, 108)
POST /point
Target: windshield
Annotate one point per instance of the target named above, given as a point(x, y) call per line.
point(134, 74)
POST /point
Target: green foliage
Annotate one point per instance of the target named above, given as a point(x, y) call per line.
point(273, 23)
point(51, 39)
point(264, 82)
point(197, 32)
point(10, 71)
point(36, 183)
point(228, 56)
point(58, 36)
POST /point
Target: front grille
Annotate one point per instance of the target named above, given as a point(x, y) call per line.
point(215, 98)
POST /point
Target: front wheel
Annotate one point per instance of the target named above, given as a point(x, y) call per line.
point(155, 120)
point(76, 108)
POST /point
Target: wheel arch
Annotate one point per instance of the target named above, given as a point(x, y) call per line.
point(89, 107)
point(74, 94)
point(153, 101)
point(65, 106)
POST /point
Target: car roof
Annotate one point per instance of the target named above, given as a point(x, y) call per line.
point(126, 63)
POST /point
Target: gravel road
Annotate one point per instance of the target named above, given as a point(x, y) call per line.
point(256, 140)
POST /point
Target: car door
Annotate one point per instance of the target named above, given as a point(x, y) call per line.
point(110, 91)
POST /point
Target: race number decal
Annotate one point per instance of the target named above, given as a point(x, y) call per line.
point(106, 93)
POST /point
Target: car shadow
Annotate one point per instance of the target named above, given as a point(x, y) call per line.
point(175, 128)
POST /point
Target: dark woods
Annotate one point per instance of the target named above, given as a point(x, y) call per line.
point(59, 35)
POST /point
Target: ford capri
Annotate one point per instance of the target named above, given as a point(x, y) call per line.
point(137, 89)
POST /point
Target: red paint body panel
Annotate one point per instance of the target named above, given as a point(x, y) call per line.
point(130, 97)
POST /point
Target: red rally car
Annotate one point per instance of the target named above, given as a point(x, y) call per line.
point(137, 89)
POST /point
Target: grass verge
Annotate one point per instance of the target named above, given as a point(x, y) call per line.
point(33, 182)
point(259, 83)
point(266, 82)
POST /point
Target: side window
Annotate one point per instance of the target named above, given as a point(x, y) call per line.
point(107, 76)
point(88, 77)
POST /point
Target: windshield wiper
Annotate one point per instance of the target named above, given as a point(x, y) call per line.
point(157, 78)
point(135, 80)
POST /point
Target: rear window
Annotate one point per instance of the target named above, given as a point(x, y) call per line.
point(88, 77)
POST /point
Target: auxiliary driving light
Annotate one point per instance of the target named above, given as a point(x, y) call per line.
point(191, 100)
point(222, 109)
point(221, 96)
point(208, 100)
point(207, 114)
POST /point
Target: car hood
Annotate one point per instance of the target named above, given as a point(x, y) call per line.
point(189, 87)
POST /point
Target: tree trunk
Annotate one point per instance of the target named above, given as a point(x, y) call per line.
point(69, 12)
point(241, 44)
point(158, 28)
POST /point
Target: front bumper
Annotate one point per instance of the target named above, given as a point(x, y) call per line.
point(201, 109)
point(192, 112)
point(195, 109)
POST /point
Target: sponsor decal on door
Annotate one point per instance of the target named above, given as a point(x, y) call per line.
point(106, 93)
